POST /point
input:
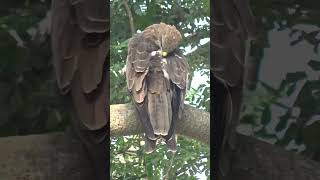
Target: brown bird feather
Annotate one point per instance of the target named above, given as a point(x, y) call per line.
point(80, 46)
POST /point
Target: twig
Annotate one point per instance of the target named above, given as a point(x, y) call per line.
point(132, 28)
point(166, 176)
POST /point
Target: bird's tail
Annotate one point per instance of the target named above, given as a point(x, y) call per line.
point(160, 113)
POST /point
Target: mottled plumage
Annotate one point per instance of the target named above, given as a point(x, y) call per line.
point(157, 84)
point(79, 38)
point(233, 24)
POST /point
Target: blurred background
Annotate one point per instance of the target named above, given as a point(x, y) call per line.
point(29, 98)
point(282, 106)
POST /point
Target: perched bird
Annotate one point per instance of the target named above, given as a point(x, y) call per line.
point(156, 74)
point(233, 26)
point(79, 36)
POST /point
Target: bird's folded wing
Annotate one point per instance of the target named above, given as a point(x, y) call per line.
point(79, 41)
point(91, 15)
point(63, 46)
point(137, 66)
point(80, 46)
point(178, 70)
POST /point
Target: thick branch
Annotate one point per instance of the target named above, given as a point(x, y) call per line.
point(53, 156)
point(58, 156)
point(257, 160)
point(194, 123)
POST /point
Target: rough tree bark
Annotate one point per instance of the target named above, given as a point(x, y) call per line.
point(54, 156)
point(194, 123)
point(58, 156)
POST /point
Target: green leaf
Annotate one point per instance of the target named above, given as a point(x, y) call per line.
point(249, 119)
point(264, 134)
point(296, 76)
point(315, 65)
point(283, 121)
point(291, 89)
point(266, 115)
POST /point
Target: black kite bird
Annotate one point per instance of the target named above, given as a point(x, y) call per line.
point(156, 74)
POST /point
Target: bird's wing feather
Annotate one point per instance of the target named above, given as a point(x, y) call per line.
point(91, 18)
point(137, 66)
point(91, 15)
point(91, 63)
point(80, 46)
point(178, 72)
point(79, 41)
point(63, 46)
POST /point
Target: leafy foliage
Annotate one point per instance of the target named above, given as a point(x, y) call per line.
point(30, 102)
point(288, 114)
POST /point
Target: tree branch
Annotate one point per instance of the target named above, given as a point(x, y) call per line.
point(44, 157)
point(59, 156)
point(257, 160)
point(194, 123)
point(126, 6)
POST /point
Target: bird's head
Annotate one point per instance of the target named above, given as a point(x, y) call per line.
point(170, 37)
point(166, 37)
